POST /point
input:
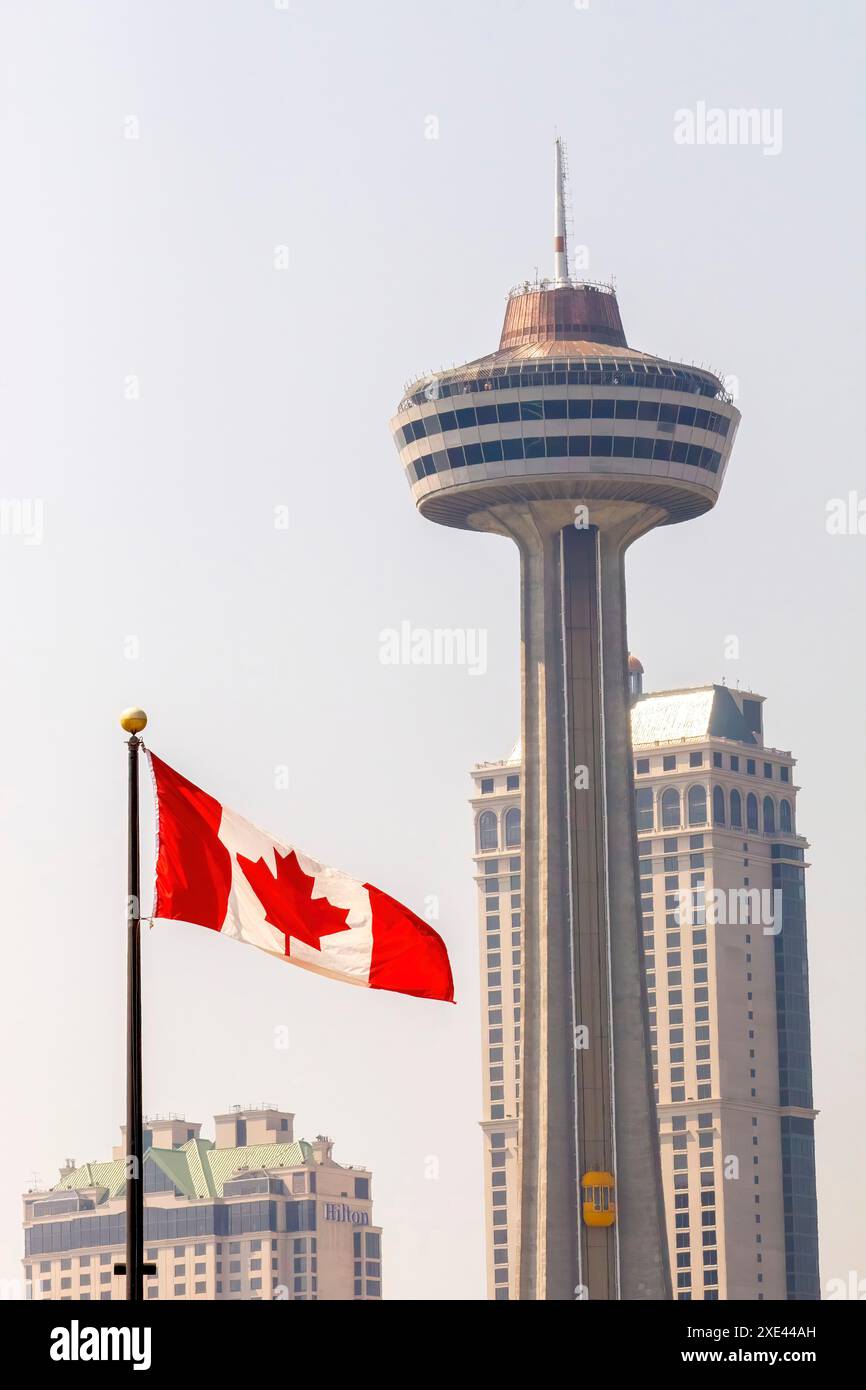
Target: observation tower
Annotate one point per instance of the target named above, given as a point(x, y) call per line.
point(575, 444)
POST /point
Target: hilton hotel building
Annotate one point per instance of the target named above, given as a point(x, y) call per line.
point(252, 1214)
point(722, 871)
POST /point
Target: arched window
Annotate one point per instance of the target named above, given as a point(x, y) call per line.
point(786, 821)
point(488, 835)
point(697, 805)
point(769, 816)
point(718, 806)
point(670, 808)
point(752, 812)
point(736, 809)
point(512, 828)
point(643, 807)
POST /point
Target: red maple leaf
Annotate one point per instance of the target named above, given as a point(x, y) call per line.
point(288, 901)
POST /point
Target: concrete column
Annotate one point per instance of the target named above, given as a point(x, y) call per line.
point(644, 1270)
point(591, 1108)
point(549, 1259)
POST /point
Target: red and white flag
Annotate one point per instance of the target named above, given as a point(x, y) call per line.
point(217, 870)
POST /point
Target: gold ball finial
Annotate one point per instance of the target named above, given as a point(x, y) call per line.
point(133, 720)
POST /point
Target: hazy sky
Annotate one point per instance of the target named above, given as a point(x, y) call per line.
point(165, 386)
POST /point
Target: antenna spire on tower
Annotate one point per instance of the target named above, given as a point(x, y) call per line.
point(560, 245)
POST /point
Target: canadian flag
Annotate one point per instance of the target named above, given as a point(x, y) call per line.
point(217, 870)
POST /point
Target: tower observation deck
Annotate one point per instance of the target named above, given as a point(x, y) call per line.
point(575, 444)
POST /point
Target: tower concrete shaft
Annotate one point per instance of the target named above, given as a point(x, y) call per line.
point(587, 1100)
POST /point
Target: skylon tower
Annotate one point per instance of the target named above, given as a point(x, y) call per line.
point(575, 444)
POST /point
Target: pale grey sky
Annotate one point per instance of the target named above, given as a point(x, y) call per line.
point(154, 258)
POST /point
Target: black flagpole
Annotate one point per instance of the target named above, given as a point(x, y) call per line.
point(134, 721)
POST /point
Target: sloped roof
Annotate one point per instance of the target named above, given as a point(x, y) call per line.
point(188, 1177)
point(706, 711)
point(110, 1175)
point(672, 716)
point(225, 1162)
point(197, 1151)
point(197, 1168)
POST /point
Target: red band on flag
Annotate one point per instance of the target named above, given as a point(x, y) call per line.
point(408, 955)
point(193, 866)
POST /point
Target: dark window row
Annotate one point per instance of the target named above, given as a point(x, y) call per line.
point(372, 1244)
point(792, 989)
point(566, 446)
point(597, 409)
point(669, 846)
point(59, 1205)
point(787, 852)
point(784, 771)
point(165, 1223)
point(669, 764)
point(786, 819)
point(247, 1187)
point(800, 1209)
point(583, 373)
point(155, 1177)
point(671, 808)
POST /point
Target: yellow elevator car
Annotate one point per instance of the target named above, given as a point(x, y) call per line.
point(599, 1207)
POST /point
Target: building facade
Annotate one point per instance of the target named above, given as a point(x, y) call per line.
point(721, 873)
point(252, 1214)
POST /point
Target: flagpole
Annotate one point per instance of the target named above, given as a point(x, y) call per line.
point(133, 721)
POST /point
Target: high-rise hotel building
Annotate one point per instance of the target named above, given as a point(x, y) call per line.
point(724, 930)
point(253, 1214)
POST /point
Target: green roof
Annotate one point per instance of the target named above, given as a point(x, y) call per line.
point(110, 1175)
point(223, 1163)
point(197, 1169)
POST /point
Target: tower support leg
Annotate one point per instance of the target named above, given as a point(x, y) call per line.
point(586, 1085)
